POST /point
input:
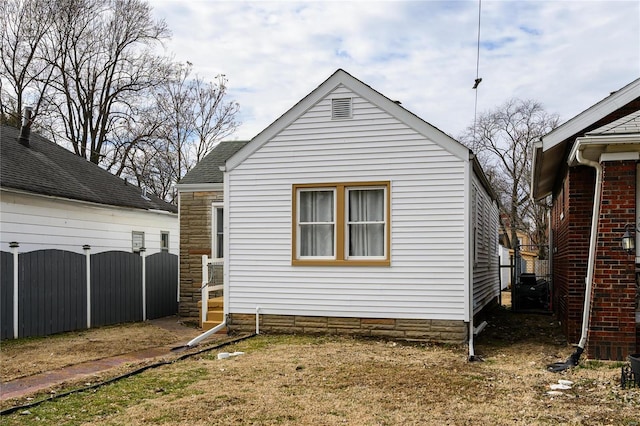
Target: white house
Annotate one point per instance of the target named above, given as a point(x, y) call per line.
point(53, 199)
point(349, 214)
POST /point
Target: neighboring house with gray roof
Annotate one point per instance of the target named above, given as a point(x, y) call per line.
point(54, 199)
point(200, 194)
point(589, 170)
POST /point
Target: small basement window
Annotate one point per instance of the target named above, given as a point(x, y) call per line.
point(341, 109)
point(164, 241)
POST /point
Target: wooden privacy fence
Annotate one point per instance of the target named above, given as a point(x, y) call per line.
point(61, 291)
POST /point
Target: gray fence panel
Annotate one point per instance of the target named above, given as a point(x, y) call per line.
point(52, 290)
point(162, 285)
point(6, 295)
point(116, 288)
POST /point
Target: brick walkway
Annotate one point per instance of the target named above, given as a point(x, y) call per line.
point(26, 386)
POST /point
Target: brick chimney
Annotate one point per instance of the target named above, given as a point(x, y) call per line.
point(25, 130)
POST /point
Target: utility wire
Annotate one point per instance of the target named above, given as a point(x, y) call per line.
point(478, 79)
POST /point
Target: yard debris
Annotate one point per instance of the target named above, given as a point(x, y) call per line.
point(225, 355)
point(561, 385)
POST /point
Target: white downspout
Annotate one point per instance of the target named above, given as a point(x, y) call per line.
point(592, 247)
point(472, 332)
point(470, 256)
point(257, 320)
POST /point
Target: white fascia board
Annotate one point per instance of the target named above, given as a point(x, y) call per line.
point(199, 187)
point(535, 169)
point(341, 77)
point(619, 156)
point(283, 121)
point(86, 203)
point(162, 212)
point(585, 141)
point(586, 118)
point(430, 132)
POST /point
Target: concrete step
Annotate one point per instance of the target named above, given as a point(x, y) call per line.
point(208, 325)
point(213, 303)
point(215, 315)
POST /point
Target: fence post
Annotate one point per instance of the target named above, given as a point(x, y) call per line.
point(87, 254)
point(14, 248)
point(144, 284)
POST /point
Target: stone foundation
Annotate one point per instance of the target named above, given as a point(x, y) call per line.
point(440, 331)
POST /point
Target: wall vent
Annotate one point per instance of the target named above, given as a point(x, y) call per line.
point(340, 108)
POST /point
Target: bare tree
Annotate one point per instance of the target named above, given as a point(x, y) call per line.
point(190, 117)
point(90, 69)
point(106, 67)
point(503, 141)
point(25, 56)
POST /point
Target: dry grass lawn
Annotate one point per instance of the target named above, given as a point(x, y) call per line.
point(26, 357)
point(302, 380)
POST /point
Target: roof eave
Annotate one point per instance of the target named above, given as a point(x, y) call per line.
point(606, 106)
point(199, 187)
point(537, 193)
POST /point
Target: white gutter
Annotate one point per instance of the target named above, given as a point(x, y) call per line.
point(199, 187)
point(592, 246)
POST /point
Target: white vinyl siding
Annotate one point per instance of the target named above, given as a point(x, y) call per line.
point(485, 236)
point(428, 273)
point(38, 222)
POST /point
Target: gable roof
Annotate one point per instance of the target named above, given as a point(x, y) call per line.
point(554, 148)
point(48, 169)
point(341, 77)
point(208, 169)
point(626, 125)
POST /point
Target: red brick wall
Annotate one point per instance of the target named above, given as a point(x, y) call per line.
point(612, 332)
point(571, 224)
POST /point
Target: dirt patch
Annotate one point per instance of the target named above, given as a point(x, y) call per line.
point(25, 357)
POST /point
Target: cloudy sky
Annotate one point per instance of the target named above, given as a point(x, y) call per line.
point(565, 54)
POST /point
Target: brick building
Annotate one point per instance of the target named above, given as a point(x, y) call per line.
point(200, 209)
point(592, 163)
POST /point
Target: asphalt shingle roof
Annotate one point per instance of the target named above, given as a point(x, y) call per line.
point(629, 124)
point(208, 169)
point(49, 169)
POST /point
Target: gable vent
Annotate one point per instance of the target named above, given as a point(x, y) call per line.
point(340, 108)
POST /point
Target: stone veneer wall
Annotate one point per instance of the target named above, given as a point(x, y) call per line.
point(441, 331)
point(195, 241)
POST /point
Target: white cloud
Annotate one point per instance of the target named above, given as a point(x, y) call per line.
point(566, 54)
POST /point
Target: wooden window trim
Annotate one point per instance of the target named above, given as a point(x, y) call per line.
point(341, 258)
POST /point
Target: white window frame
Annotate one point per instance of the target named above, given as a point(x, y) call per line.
point(137, 241)
point(300, 224)
point(215, 247)
point(162, 246)
point(348, 223)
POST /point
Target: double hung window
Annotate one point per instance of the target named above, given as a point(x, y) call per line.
point(341, 224)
